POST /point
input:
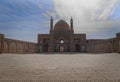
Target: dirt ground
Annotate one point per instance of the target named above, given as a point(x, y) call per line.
point(60, 66)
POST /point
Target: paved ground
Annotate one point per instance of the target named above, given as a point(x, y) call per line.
point(60, 67)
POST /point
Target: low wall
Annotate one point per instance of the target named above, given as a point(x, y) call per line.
point(100, 46)
point(16, 46)
point(104, 45)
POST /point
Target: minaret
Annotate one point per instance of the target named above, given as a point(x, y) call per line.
point(51, 35)
point(51, 23)
point(71, 23)
point(72, 47)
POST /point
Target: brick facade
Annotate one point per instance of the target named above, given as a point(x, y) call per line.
point(74, 42)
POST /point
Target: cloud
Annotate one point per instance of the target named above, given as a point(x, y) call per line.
point(23, 30)
point(90, 16)
point(24, 19)
point(84, 9)
point(40, 6)
point(108, 9)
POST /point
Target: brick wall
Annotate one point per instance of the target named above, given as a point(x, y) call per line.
point(16, 46)
point(100, 46)
point(104, 45)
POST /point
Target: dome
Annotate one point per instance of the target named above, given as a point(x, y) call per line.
point(61, 25)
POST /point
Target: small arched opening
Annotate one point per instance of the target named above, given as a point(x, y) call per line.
point(61, 41)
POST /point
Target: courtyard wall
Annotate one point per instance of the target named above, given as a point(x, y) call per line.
point(16, 46)
point(100, 46)
point(92, 45)
point(104, 45)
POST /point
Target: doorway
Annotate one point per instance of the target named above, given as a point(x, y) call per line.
point(46, 46)
point(77, 48)
point(61, 48)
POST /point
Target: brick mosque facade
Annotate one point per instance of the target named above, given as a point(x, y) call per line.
point(61, 38)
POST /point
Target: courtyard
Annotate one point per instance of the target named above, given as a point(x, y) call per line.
point(60, 66)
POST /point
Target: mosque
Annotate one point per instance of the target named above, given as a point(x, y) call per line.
point(61, 38)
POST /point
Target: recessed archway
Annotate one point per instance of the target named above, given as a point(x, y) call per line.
point(61, 48)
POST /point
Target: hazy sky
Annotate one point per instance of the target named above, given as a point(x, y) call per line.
point(24, 19)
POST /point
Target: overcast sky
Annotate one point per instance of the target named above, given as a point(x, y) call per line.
point(24, 19)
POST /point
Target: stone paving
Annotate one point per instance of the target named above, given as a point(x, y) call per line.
point(60, 66)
